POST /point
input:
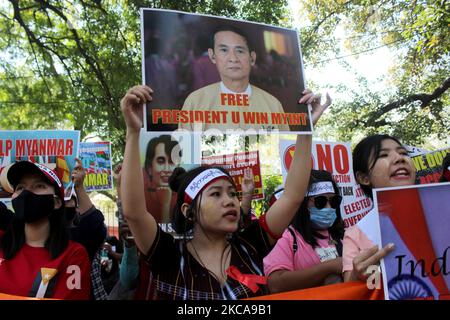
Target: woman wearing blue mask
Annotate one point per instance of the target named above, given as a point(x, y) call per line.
point(309, 252)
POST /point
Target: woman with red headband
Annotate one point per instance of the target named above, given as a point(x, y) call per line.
point(215, 259)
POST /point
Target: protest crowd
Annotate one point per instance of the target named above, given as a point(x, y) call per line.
point(190, 233)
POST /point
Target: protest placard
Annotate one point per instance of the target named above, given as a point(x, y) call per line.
point(416, 219)
point(336, 158)
point(236, 164)
point(429, 166)
point(96, 159)
point(217, 73)
point(57, 149)
point(160, 154)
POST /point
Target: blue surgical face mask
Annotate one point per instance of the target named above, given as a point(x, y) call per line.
point(322, 218)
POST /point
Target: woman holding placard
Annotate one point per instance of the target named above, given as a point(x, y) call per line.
point(378, 161)
point(216, 259)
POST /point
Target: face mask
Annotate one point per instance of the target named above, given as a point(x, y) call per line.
point(71, 212)
point(30, 207)
point(322, 218)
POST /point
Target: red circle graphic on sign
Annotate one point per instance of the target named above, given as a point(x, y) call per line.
point(289, 155)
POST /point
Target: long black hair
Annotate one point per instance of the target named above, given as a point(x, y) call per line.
point(302, 221)
point(56, 243)
point(367, 150)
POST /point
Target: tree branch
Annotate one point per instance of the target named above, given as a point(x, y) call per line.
point(424, 98)
point(317, 26)
point(97, 5)
point(31, 38)
point(90, 61)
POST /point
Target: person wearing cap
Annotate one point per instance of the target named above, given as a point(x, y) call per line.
point(215, 259)
point(310, 250)
point(37, 258)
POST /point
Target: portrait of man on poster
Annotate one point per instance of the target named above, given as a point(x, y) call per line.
point(233, 55)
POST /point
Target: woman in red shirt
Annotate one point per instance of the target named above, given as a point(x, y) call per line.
point(37, 259)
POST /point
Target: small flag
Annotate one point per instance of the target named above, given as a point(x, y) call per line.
point(62, 169)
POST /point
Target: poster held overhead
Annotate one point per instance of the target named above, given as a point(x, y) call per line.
point(56, 149)
point(96, 159)
point(217, 73)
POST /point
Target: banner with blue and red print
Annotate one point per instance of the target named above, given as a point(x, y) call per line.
point(96, 160)
point(416, 219)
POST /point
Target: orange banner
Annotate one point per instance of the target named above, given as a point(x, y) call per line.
point(4, 296)
point(342, 291)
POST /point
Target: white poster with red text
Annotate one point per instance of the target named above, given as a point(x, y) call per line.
point(335, 157)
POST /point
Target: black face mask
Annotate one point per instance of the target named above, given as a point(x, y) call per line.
point(30, 207)
point(71, 212)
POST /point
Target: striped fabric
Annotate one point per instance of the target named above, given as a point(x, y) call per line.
point(177, 275)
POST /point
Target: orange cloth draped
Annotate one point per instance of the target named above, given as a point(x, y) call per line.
point(341, 291)
point(4, 296)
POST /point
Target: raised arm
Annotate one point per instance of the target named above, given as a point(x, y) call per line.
point(78, 175)
point(248, 187)
point(142, 224)
point(279, 216)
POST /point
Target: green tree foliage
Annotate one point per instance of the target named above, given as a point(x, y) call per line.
point(271, 183)
point(66, 64)
point(416, 103)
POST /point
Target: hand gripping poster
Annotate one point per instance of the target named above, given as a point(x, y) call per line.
point(336, 158)
point(416, 219)
point(215, 73)
point(96, 160)
point(57, 149)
